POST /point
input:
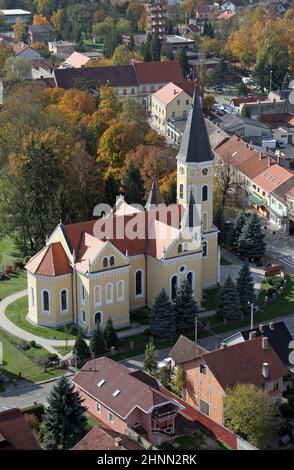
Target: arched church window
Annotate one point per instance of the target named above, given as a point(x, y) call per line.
point(205, 193)
point(174, 287)
point(181, 191)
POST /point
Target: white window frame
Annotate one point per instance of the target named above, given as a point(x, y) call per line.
point(206, 216)
point(101, 317)
point(193, 280)
point(32, 297)
point(98, 408)
point(206, 200)
point(121, 297)
point(98, 288)
point(110, 417)
point(82, 291)
point(140, 296)
point(82, 316)
point(61, 309)
point(46, 312)
point(204, 241)
point(170, 285)
point(109, 298)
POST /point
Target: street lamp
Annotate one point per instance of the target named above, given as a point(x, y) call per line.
point(252, 307)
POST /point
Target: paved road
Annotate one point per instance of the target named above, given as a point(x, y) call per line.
point(25, 395)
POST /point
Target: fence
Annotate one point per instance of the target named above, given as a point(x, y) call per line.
point(220, 432)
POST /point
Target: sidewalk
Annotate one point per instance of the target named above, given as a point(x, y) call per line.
point(234, 268)
point(46, 343)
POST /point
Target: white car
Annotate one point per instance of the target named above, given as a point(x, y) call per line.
point(167, 362)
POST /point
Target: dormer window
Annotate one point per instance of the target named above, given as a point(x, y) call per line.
point(116, 393)
point(101, 382)
point(111, 260)
point(105, 262)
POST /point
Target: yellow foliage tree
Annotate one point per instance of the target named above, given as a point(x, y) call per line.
point(40, 19)
point(19, 29)
point(55, 20)
point(108, 99)
point(75, 104)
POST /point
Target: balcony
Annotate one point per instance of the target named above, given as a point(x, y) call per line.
point(164, 412)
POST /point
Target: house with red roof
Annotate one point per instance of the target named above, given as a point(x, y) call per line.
point(171, 102)
point(15, 433)
point(123, 401)
point(266, 183)
point(210, 375)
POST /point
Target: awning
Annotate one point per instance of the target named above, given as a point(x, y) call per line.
point(256, 199)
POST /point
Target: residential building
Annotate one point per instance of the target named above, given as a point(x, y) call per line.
point(171, 102)
point(280, 208)
point(81, 59)
point(250, 130)
point(284, 135)
point(261, 109)
point(12, 15)
point(138, 80)
point(210, 376)
point(106, 439)
point(119, 400)
point(15, 433)
point(246, 161)
point(185, 350)
point(267, 182)
point(92, 270)
point(25, 52)
point(279, 338)
point(156, 11)
point(42, 68)
point(226, 15)
point(41, 33)
point(202, 12)
point(61, 49)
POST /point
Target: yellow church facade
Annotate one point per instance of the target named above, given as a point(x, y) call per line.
point(107, 267)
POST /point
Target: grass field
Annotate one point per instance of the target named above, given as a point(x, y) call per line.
point(64, 350)
point(17, 312)
point(15, 283)
point(8, 251)
point(16, 363)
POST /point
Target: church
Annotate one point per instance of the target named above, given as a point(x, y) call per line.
point(110, 266)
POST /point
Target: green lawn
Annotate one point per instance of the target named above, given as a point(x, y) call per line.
point(64, 350)
point(8, 252)
point(17, 312)
point(14, 283)
point(16, 362)
point(92, 423)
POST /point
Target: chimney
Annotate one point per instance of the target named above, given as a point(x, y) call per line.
point(264, 341)
point(268, 162)
point(279, 157)
point(271, 325)
point(223, 345)
point(260, 156)
point(261, 328)
point(265, 370)
point(252, 334)
point(117, 441)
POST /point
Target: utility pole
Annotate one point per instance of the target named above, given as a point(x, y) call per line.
point(196, 328)
point(271, 77)
point(252, 316)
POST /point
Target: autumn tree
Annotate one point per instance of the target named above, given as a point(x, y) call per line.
point(19, 30)
point(75, 104)
point(101, 120)
point(108, 99)
point(135, 114)
point(5, 52)
point(56, 21)
point(134, 13)
point(40, 19)
point(116, 142)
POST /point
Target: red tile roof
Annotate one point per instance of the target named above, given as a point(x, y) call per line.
point(50, 261)
point(243, 157)
point(132, 392)
point(15, 433)
point(282, 118)
point(271, 178)
point(158, 72)
point(250, 99)
point(106, 439)
point(242, 363)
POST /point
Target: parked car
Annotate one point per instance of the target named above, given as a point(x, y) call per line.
point(167, 362)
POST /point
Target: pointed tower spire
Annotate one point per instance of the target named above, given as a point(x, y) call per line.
point(154, 197)
point(191, 217)
point(195, 146)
